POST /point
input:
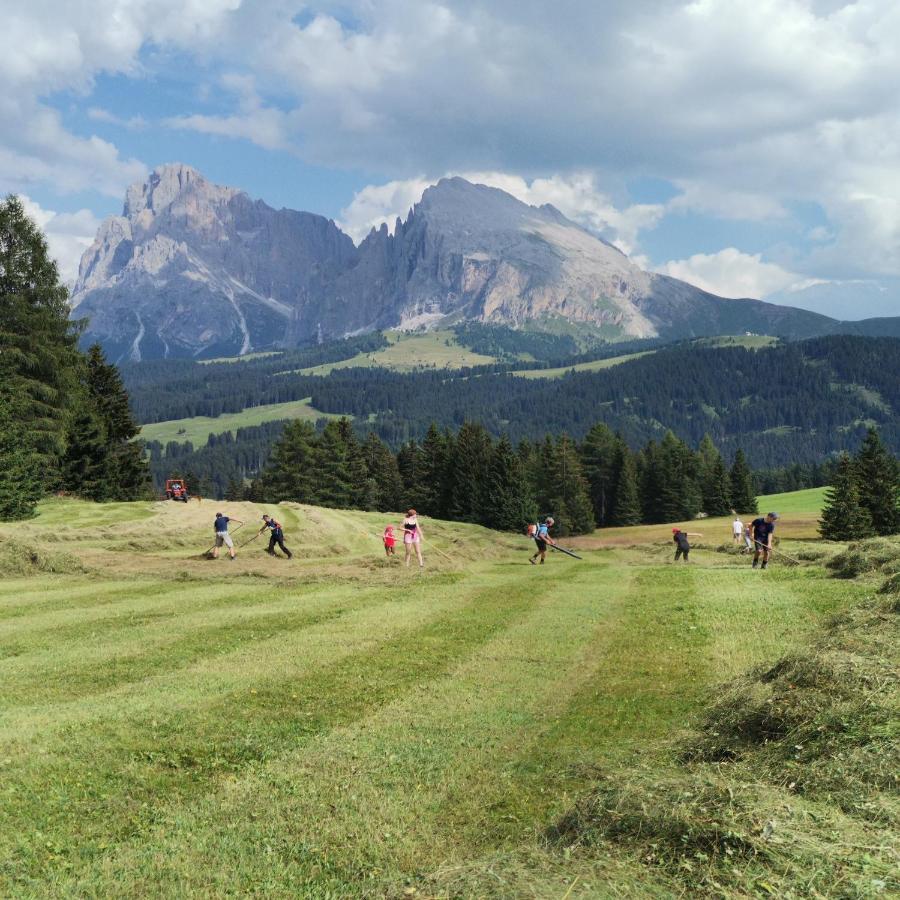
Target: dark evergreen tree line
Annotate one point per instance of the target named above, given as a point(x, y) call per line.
point(864, 497)
point(467, 476)
point(65, 423)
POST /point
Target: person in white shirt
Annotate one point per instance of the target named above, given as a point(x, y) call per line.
point(737, 529)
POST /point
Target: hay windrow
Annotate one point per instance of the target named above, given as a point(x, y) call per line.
point(20, 558)
point(789, 768)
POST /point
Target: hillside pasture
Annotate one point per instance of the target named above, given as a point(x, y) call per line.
point(338, 725)
point(198, 428)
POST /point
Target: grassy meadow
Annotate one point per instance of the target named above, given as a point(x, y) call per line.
point(198, 428)
point(340, 726)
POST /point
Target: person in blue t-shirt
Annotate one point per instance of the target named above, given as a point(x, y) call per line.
point(223, 538)
point(542, 539)
point(761, 531)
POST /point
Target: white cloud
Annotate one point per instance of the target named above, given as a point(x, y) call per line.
point(731, 273)
point(49, 46)
point(752, 107)
point(68, 234)
point(132, 123)
point(262, 125)
point(576, 196)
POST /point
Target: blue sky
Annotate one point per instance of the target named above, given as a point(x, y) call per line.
point(752, 148)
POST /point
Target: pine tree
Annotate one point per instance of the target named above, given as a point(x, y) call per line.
point(291, 473)
point(129, 476)
point(38, 352)
point(235, 491)
point(715, 486)
point(743, 497)
point(86, 464)
point(627, 510)
point(411, 465)
point(20, 483)
point(333, 456)
point(568, 490)
point(468, 468)
point(598, 458)
point(844, 518)
point(509, 505)
point(434, 475)
point(383, 475)
point(878, 482)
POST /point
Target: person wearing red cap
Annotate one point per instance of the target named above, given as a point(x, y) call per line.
point(682, 545)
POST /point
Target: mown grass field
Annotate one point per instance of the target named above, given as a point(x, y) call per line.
point(338, 725)
point(199, 428)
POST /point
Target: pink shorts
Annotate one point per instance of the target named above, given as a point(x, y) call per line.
point(410, 537)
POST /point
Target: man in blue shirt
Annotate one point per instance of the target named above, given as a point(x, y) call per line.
point(222, 536)
point(761, 532)
point(542, 539)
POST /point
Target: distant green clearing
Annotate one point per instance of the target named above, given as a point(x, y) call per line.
point(198, 429)
point(407, 351)
point(797, 503)
point(750, 341)
point(233, 359)
point(594, 366)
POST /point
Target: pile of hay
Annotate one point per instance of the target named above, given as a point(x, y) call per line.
point(789, 785)
point(876, 555)
point(19, 558)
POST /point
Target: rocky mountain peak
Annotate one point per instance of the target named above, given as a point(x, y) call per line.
point(192, 268)
point(166, 184)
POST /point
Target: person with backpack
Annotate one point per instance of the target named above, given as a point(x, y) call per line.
point(541, 534)
point(276, 536)
point(762, 530)
point(223, 538)
point(682, 544)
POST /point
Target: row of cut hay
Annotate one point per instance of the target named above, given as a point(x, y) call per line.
point(789, 784)
point(20, 558)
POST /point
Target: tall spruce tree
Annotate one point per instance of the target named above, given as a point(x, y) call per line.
point(568, 490)
point(20, 481)
point(85, 466)
point(383, 475)
point(509, 505)
point(844, 518)
point(127, 472)
point(878, 482)
point(598, 458)
point(38, 343)
point(433, 500)
point(411, 465)
point(715, 485)
point(468, 468)
point(292, 470)
point(627, 509)
point(743, 496)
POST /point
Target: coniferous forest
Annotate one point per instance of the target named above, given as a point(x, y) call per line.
point(65, 420)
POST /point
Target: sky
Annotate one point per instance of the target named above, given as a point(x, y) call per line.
point(751, 147)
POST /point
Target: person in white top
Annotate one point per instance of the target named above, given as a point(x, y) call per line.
point(737, 529)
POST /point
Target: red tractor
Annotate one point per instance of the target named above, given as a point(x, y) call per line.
point(176, 489)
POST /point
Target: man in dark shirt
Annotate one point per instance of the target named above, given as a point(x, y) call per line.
point(761, 530)
point(682, 545)
point(223, 538)
point(276, 536)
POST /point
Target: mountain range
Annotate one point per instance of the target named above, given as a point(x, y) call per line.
point(193, 269)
